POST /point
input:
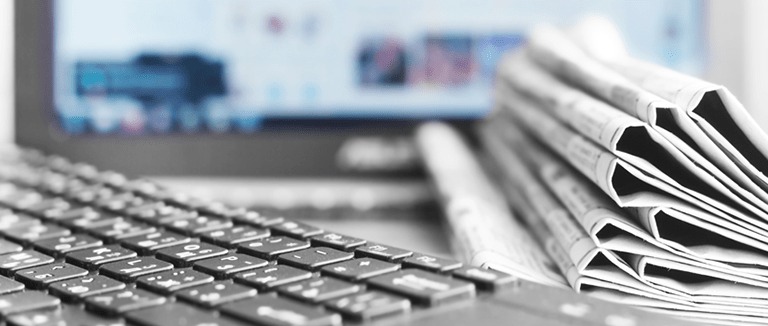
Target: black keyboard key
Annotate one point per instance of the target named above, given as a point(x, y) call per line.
point(186, 255)
point(92, 221)
point(28, 233)
point(49, 207)
point(112, 178)
point(319, 289)
point(79, 288)
point(150, 208)
point(40, 277)
point(85, 171)
point(220, 209)
point(9, 219)
point(60, 213)
point(171, 197)
point(295, 229)
point(173, 280)
point(8, 285)
point(9, 263)
point(256, 219)
point(26, 301)
point(486, 279)
point(119, 201)
point(231, 237)
point(216, 293)
point(119, 302)
point(21, 199)
point(270, 310)
point(129, 269)
point(7, 247)
point(336, 241)
point(90, 193)
point(360, 269)
point(59, 164)
point(424, 287)
point(76, 211)
point(431, 263)
point(369, 305)
point(382, 252)
point(156, 213)
point(3, 210)
point(54, 183)
point(196, 225)
point(68, 315)
point(151, 242)
point(59, 246)
point(225, 266)
point(271, 247)
point(178, 314)
point(94, 257)
point(73, 213)
point(272, 276)
point(314, 258)
point(144, 187)
point(121, 229)
point(181, 200)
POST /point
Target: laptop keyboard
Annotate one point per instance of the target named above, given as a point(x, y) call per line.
point(95, 248)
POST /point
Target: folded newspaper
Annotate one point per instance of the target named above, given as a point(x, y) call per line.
point(640, 184)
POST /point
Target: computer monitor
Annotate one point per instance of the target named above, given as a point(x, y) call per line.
point(230, 87)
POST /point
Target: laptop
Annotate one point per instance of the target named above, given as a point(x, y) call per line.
point(283, 92)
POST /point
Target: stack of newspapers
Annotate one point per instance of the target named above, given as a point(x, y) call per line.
point(642, 185)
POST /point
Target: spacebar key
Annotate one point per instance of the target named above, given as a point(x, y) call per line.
point(270, 310)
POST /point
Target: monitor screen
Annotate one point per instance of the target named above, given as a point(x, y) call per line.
point(164, 67)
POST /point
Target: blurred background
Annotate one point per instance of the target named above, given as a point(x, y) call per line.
point(6, 70)
point(162, 70)
point(436, 60)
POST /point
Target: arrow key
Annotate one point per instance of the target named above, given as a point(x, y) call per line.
point(424, 287)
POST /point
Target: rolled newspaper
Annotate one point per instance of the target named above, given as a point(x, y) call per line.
point(484, 231)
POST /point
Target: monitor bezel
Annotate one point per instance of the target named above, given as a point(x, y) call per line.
point(308, 150)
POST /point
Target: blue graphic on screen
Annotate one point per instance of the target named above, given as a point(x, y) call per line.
point(148, 67)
